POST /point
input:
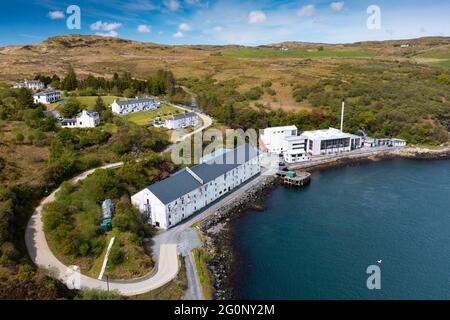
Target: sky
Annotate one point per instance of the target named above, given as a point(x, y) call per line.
point(223, 22)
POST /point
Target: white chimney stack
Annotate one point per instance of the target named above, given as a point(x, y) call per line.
point(342, 115)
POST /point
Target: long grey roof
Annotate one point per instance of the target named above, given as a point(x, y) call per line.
point(184, 116)
point(140, 100)
point(182, 182)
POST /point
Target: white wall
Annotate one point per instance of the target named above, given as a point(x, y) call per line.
point(187, 205)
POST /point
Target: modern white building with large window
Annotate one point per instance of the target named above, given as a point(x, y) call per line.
point(272, 139)
point(295, 149)
point(331, 141)
point(170, 201)
point(47, 97)
point(135, 105)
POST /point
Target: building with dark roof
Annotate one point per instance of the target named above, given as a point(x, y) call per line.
point(170, 201)
point(135, 105)
point(181, 121)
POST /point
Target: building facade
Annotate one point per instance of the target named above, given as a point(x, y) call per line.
point(135, 105)
point(331, 141)
point(30, 84)
point(295, 149)
point(85, 119)
point(272, 139)
point(47, 97)
point(181, 121)
point(170, 201)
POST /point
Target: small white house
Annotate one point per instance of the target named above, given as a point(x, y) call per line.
point(135, 105)
point(295, 149)
point(390, 142)
point(47, 97)
point(85, 119)
point(331, 141)
point(30, 84)
point(181, 121)
point(170, 201)
point(272, 139)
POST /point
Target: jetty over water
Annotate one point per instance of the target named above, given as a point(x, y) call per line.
point(295, 179)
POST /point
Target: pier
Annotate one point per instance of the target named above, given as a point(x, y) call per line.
point(295, 179)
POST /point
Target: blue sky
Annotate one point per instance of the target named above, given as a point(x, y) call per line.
point(224, 21)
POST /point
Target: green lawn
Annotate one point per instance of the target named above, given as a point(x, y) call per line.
point(443, 63)
point(147, 117)
point(201, 262)
point(265, 53)
point(90, 100)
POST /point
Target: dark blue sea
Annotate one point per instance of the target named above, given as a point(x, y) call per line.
point(317, 242)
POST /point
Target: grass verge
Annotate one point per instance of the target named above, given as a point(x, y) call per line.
point(201, 259)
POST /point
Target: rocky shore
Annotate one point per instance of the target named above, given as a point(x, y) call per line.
point(217, 228)
point(217, 236)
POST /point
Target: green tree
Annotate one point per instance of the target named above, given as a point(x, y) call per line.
point(71, 108)
point(99, 105)
point(25, 99)
point(20, 137)
point(70, 81)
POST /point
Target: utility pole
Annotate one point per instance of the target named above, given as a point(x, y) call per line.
point(342, 114)
point(107, 282)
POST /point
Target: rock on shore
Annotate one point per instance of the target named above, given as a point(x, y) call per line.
point(218, 239)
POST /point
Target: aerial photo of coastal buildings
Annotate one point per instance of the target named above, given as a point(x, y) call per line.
point(224, 150)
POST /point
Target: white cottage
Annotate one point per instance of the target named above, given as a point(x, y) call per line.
point(85, 119)
point(47, 97)
point(135, 105)
point(170, 201)
point(30, 84)
point(181, 121)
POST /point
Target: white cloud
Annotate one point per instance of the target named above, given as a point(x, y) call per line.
point(184, 27)
point(179, 34)
point(144, 28)
point(218, 29)
point(337, 6)
point(172, 5)
point(56, 15)
point(307, 11)
point(104, 26)
point(257, 17)
point(111, 33)
point(191, 2)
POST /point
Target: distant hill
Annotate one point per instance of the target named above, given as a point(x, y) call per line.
point(285, 64)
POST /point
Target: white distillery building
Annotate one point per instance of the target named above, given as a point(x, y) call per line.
point(30, 84)
point(272, 139)
point(181, 121)
point(331, 141)
point(295, 149)
point(178, 197)
point(135, 105)
point(85, 119)
point(47, 97)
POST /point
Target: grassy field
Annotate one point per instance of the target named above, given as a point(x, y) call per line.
point(266, 53)
point(147, 117)
point(201, 258)
point(89, 101)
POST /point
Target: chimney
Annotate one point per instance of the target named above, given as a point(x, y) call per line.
point(342, 114)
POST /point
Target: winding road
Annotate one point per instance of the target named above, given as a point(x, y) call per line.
point(165, 246)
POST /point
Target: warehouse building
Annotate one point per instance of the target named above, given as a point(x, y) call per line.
point(170, 201)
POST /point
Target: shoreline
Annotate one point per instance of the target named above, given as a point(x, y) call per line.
point(218, 229)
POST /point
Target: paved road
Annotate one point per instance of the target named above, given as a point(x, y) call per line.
point(42, 256)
